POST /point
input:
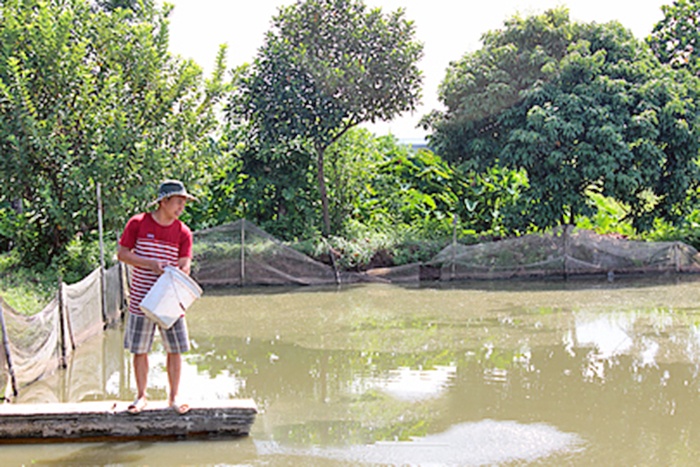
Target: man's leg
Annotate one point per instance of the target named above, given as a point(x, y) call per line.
point(141, 374)
point(138, 337)
point(176, 341)
point(174, 364)
point(174, 370)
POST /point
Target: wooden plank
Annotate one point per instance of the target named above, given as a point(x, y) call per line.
point(110, 421)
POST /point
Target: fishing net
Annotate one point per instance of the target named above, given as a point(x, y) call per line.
point(33, 342)
point(4, 377)
point(240, 253)
point(34, 346)
point(115, 294)
point(83, 308)
point(563, 252)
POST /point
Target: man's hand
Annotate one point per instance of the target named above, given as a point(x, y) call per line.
point(158, 266)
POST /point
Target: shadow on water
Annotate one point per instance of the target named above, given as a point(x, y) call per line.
point(559, 283)
point(126, 453)
point(546, 373)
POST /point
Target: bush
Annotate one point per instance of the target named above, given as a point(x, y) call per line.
point(26, 290)
point(81, 258)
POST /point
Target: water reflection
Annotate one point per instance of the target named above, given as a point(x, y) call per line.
point(407, 384)
point(548, 373)
point(487, 442)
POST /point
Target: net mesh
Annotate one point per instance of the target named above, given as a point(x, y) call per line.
point(33, 342)
point(34, 346)
point(240, 253)
point(4, 376)
point(563, 252)
point(115, 298)
point(83, 308)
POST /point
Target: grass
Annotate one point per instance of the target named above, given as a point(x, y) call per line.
point(29, 289)
point(26, 290)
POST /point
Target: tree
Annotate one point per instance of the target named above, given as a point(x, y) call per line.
point(579, 108)
point(93, 96)
point(676, 38)
point(325, 67)
point(135, 5)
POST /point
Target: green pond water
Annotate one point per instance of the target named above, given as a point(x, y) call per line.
point(526, 373)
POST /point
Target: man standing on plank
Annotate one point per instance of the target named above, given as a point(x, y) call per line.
point(151, 241)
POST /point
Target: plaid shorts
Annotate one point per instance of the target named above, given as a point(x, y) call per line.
point(139, 333)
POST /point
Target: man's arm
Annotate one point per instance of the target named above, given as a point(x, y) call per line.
point(185, 264)
point(127, 256)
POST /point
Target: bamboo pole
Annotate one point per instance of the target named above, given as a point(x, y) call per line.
point(64, 316)
point(242, 252)
point(454, 247)
point(331, 255)
point(103, 297)
point(566, 252)
point(61, 326)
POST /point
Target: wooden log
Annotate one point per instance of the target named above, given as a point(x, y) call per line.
point(110, 421)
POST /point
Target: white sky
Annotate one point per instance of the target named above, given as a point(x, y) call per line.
point(447, 28)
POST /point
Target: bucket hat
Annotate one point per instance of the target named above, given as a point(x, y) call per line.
point(172, 188)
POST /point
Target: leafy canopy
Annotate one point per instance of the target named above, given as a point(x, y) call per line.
point(579, 108)
point(676, 38)
point(325, 67)
point(91, 95)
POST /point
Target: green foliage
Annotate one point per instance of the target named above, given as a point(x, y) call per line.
point(80, 258)
point(91, 95)
point(676, 38)
point(406, 187)
point(608, 217)
point(273, 186)
point(327, 66)
point(27, 290)
point(687, 231)
point(419, 191)
point(579, 108)
point(363, 247)
point(351, 163)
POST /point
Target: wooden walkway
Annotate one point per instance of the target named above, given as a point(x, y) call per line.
point(110, 421)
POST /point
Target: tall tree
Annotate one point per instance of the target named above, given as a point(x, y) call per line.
point(91, 95)
point(578, 107)
point(676, 38)
point(325, 67)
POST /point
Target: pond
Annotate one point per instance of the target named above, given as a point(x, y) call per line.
point(526, 373)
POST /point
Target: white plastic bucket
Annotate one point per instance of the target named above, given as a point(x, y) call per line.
point(170, 296)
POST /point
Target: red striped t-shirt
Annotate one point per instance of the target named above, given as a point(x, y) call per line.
point(148, 239)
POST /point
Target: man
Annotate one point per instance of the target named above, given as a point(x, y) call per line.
point(151, 241)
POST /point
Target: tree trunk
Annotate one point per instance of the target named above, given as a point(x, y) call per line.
point(322, 190)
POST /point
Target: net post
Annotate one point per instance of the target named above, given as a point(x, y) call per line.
point(103, 298)
point(8, 356)
point(566, 251)
point(61, 325)
point(122, 285)
point(331, 255)
point(454, 246)
point(242, 252)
